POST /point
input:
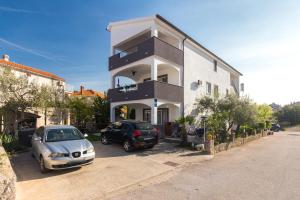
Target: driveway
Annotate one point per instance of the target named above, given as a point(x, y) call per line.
point(113, 170)
point(265, 169)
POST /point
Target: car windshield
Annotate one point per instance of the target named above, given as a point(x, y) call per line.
point(63, 134)
point(143, 126)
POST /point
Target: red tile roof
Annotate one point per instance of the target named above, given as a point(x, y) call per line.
point(28, 69)
point(87, 93)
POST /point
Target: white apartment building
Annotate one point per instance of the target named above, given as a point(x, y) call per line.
point(169, 69)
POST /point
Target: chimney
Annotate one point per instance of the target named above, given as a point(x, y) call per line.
point(81, 89)
point(5, 57)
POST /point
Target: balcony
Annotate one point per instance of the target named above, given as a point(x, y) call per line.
point(147, 90)
point(152, 46)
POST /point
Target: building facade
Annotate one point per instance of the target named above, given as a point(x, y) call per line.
point(34, 117)
point(169, 70)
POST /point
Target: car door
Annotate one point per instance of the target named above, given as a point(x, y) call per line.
point(116, 132)
point(124, 133)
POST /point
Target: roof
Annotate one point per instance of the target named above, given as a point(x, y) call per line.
point(87, 93)
point(28, 69)
point(157, 16)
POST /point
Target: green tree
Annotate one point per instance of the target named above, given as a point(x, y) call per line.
point(183, 121)
point(18, 94)
point(50, 97)
point(101, 111)
point(289, 114)
point(81, 111)
point(225, 112)
point(264, 115)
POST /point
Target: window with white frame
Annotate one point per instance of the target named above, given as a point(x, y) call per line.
point(208, 88)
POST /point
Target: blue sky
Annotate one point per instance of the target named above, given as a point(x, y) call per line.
point(69, 38)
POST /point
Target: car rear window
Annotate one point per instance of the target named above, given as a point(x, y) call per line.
point(143, 126)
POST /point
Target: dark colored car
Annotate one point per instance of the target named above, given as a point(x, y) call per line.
point(132, 134)
point(275, 127)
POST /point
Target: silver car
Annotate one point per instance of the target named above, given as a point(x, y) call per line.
point(61, 147)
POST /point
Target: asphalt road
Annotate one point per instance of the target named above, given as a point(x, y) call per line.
point(267, 169)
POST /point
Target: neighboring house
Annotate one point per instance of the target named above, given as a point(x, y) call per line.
point(170, 70)
point(90, 94)
point(35, 117)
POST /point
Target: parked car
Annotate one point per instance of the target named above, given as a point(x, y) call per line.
point(275, 127)
point(61, 147)
point(132, 134)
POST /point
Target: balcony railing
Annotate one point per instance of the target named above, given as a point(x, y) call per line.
point(147, 90)
point(152, 46)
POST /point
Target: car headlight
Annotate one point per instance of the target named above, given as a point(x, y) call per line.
point(56, 155)
point(90, 150)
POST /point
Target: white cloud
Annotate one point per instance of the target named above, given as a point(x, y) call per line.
point(8, 9)
point(271, 69)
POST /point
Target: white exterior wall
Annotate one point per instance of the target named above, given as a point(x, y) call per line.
point(198, 66)
point(40, 80)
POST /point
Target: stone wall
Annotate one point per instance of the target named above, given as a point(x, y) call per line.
point(7, 177)
point(238, 142)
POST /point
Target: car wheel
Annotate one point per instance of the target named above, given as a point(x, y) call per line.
point(127, 146)
point(42, 166)
point(104, 139)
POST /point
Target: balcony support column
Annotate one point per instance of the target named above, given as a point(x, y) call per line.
point(154, 70)
point(154, 115)
point(112, 114)
point(180, 77)
point(112, 82)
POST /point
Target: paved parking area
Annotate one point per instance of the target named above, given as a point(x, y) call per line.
point(112, 171)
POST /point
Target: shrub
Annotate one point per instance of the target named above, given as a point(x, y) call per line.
point(9, 142)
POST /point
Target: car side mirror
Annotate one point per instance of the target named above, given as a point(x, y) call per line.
point(38, 139)
point(85, 135)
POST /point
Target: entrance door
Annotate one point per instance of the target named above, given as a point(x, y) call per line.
point(162, 115)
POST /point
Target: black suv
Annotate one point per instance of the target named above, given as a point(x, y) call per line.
point(132, 134)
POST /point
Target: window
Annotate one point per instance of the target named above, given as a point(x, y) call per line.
point(215, 66)
point(116, 125)
point(125, 127)
point(147, 115)
point(216, 90)
point(163, 78)
point(132, 114)
point(40, 132)
point(208, 88)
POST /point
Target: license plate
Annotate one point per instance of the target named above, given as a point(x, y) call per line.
point(146, 139)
